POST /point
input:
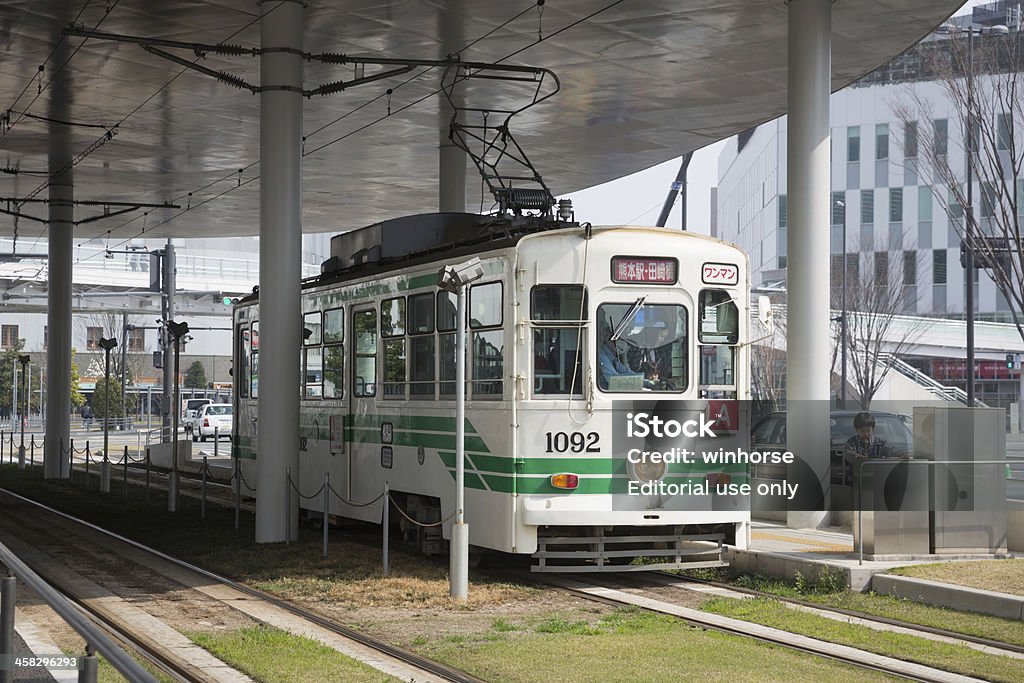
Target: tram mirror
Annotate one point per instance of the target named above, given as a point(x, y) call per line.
point(764, 311)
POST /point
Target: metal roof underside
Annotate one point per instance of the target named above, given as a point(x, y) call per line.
point(642, 82)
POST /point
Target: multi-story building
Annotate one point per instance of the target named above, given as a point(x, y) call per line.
point(894, 221)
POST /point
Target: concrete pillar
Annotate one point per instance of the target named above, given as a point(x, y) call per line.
point(57, 463)
point(807, 335)
point(280, 268)
point(451, 177)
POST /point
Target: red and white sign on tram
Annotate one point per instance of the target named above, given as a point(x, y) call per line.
point(647, 270)
point(719, 274)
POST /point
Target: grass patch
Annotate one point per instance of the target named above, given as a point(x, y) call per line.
point(1002, 576)
point(630, 645)
point(502, 626)
point(351, 575)
point(269, 654)
point(942, 656)
point(890, 607)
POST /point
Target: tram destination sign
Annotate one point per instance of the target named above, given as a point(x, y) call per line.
point(644, 270)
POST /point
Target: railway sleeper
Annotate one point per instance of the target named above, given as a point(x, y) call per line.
point(622, 549)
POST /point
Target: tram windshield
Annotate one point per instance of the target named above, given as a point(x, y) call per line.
point(642, 347)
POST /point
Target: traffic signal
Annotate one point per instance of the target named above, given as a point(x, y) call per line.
point(229, 301)
point(1010, 361)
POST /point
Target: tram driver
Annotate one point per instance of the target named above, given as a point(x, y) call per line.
point(608, 361)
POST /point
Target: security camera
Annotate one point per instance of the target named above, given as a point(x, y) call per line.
point(108, 344)
point(453, 278)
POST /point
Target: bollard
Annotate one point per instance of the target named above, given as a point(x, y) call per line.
point(327, 506)
point(287, 506)
point(202, 509)
point(32, 452)
point(105, 474)
point(147, 475)
point(8, 587)
point(216, 441)
point(90, 666)
point(88, 457)
point(172, 491)
point(386, 520)
point(126, 470)
point(21, 456)
point(238, 493)
point(1, 447)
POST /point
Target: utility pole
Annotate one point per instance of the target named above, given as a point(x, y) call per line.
point(169, 269)
point(124, 368)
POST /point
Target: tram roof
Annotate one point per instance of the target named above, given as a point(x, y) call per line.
point(642, 82)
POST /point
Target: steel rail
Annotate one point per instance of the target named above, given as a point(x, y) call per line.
point(977, 640)
point(738, 630)
point(445, 672)
point(127, 666)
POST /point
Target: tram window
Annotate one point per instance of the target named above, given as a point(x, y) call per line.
point(364, 327)
point(242, 370)
point(717, 365)
point(421, 366)
point(557, 361)
point(313, 373)
point(488, 363)
point(446, 365)
point(649, 353)
point(421, 314)
point(558, 302)
point(485, 305)
point(447, 311)
point(334, 326)
point(311, 322)
point(392, 318)
point(394, 368)
point(719, 317)
point(334, 371)
point(254, 370)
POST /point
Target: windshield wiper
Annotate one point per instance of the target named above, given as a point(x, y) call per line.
point(628, 317)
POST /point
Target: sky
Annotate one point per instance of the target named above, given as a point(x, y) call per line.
point(637, 199)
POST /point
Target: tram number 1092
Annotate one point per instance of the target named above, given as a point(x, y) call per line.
point(576, 442)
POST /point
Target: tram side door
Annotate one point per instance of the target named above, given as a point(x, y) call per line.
point(362, 400)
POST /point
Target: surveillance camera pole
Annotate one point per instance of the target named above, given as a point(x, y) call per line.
point(454, 280)
point(459, 568)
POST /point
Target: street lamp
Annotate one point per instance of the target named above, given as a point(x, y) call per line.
point(454, 279)
point(24, 413)
point(177, 331)
point(969, 227)
point(107, 345)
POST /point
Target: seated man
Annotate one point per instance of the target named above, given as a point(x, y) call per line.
point(865, 444)
point(609, 364)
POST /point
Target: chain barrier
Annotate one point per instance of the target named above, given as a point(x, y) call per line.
point(296, 489)
point(244, 482)
point(413, 521)
point(355, 505)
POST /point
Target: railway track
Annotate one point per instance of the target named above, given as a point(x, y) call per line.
point(841, 614)
point(388, 658)
point(628, 591)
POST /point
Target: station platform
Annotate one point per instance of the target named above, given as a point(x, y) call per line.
point(777, 550)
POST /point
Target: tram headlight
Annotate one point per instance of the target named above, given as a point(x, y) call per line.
point(646, 470)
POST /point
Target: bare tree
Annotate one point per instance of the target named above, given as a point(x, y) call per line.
point(876, 332)
point(985, 87)
point(111, 324)
point(768, 362)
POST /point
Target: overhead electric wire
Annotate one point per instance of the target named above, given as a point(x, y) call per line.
point(144, 103)
point(540, 39)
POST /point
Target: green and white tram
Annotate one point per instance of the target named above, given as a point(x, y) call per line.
point(567, 321)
